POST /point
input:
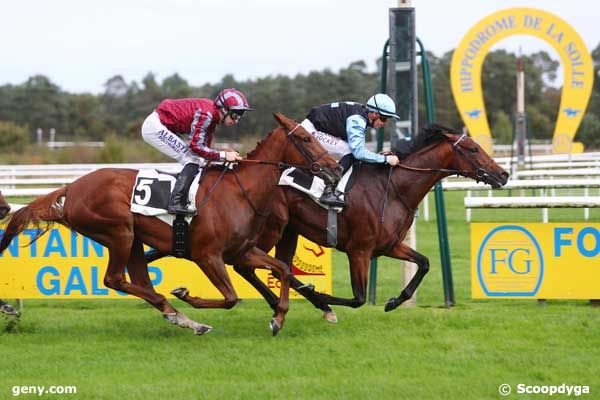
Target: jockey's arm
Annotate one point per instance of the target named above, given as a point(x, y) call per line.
point(200, 139)
point(356, 127)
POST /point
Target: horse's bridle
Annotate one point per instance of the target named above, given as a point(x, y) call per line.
point(314, 166)
point(480, 172)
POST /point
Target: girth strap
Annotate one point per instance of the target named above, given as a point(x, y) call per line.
point(331, 227)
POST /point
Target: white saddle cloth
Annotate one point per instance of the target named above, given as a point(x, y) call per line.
point(312, 185)
point(151, 193)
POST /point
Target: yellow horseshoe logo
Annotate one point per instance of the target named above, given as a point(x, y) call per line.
point(467, 62)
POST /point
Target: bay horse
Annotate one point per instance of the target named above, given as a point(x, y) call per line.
point(230, 216)
point(381, 208)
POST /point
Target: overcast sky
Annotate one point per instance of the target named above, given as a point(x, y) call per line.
point(79, 44)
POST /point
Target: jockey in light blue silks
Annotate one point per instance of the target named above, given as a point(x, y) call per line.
point(340, 127)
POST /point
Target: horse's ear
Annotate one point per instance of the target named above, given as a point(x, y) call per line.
point(283, 120)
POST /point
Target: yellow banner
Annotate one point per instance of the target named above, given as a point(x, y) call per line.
point(542, 261)
point(65, 264)
point(467, 62)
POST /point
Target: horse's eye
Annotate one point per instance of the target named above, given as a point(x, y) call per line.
point(306, 139)
point(474, 150)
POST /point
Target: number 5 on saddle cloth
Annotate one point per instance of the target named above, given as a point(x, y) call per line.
point(150, 197)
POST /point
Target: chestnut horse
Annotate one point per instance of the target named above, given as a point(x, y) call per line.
point(381, 207)
point(231, 214)
point(4, 207)
point(4, 210)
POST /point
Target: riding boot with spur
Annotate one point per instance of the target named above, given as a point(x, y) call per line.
point(331, 197)
point(178, 203)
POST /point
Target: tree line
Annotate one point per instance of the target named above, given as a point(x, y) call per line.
point(120, 110)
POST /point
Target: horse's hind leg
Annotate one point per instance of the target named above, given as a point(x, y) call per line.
point(137, 267)
point(123, 249)
point(403, 252)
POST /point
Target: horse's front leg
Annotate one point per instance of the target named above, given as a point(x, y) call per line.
point(286, 241)
point(359, 270)
point(403, 252)
point(256, 258)
point(214, 269)
point(284, 251)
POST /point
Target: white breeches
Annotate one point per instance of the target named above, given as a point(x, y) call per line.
point(167, 142)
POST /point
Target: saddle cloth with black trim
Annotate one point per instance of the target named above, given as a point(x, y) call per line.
point(312, 185)
point(151, 193)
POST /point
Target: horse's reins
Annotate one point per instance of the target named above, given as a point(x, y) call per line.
point(479, 171)
point(314, 168)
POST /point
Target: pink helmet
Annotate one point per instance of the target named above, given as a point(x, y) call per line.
point(232, 99)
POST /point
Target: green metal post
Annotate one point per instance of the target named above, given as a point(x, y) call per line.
point(373, 270)
point(439, 194)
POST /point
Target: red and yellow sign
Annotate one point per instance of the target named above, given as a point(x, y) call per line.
point(65, 264)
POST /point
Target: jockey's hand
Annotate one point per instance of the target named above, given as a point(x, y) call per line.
point(392, 160)
point(232, 156)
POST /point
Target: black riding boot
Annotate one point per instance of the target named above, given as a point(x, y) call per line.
point(331, 197)
point(179, 198)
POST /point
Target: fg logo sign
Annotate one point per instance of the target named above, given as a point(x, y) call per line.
point(510, 262)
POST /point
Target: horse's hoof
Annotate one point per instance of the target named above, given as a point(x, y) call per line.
point(330, 316)
point(202, 329)
point(308, 286)
point(180, 292)
point(274, 327)
point(7, 309)
point(391, 304)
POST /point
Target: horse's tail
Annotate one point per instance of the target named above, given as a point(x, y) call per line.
point(48, 208)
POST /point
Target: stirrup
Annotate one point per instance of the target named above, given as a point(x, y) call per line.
point(180, 209)
point(333, 200)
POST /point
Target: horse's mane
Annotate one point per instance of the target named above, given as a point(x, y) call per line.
point(427, 134)
point(258, 144)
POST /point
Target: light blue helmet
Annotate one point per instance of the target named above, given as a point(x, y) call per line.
point(382, 104)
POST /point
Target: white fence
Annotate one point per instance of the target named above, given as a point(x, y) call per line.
point(546, 173)
point(37, 180)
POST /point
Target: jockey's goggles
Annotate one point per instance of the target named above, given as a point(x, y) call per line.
point(383, 118)
point(236, 114)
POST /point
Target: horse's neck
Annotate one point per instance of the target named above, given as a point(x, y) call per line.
point(271, 148)
point(419, 183)
point(261, 179)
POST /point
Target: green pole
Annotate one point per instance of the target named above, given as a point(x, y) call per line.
point(373, 270)
point(439, 193)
